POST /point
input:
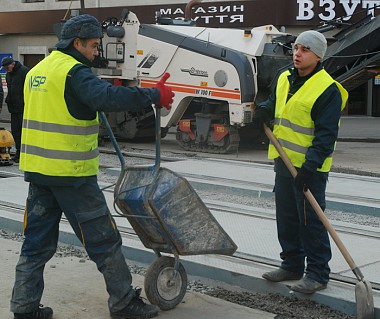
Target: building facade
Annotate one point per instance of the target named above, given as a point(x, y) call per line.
point(27, 26)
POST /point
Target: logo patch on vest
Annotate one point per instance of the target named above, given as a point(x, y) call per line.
point(36, 83)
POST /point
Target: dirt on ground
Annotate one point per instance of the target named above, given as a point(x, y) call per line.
point(284, 307)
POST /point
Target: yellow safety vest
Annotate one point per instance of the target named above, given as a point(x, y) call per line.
point(293, 125)
point(53, 142)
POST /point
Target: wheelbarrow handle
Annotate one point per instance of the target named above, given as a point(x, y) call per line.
point(104, 120)
point(313, 202)
point(158, 135)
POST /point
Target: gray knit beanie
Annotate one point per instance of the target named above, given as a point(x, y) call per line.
point(83, 26)
point(314, 41)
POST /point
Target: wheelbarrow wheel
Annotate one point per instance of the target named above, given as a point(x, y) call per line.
point(163, 286)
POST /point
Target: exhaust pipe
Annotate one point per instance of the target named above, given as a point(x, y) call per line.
point(189, 6)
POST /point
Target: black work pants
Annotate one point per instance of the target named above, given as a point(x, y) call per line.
point(16, 128)
point(86, 210)
point(300, 232)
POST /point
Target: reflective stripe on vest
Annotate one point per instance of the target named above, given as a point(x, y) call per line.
point(53, 142)
point(293, 125)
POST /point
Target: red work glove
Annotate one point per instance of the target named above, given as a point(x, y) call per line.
point(166, 94)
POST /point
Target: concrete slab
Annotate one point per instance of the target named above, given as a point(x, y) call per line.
point(352, 193)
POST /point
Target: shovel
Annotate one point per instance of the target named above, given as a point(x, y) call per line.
point(363, 289)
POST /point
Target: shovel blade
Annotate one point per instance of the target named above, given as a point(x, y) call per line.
point(364, 300)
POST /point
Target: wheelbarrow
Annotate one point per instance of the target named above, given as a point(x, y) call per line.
point(169, 217)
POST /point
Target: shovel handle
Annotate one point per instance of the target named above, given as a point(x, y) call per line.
point(313, 202)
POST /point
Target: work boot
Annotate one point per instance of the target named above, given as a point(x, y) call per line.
point(307, 286)
point(136, 309)
point(40, 313)
point(281, 275)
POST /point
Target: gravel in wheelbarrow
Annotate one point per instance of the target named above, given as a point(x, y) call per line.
point(166, 213)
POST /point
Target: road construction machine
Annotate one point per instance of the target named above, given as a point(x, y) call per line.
point(214, 74)
point(217, 74)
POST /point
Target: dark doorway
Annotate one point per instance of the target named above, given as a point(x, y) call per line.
point(357, 101)
point(30, 60)
point(376, 97)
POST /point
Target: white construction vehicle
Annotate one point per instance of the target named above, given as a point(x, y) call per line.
point(214, 74)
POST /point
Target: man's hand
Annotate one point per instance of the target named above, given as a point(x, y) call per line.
point(303, 179)
point(263, 116)
point(166, 94)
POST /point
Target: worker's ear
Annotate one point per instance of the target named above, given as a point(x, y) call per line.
point(76, 43)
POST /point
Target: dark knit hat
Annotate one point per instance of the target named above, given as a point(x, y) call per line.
point(83, 26)
point(6, 61)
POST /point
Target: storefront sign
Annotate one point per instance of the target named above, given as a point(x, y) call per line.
point(215, 14)
point(260, 12)
point(224, 14)
point(307, 9)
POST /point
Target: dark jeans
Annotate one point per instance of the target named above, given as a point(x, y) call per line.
point(300, 232)
point(16, 128)
point(86, 210)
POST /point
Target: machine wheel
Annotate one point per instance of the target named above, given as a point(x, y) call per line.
point(161, 288)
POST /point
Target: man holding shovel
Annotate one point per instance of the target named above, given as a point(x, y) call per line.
point(306, 107)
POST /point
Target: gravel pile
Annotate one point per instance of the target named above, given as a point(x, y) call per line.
point(284, 307)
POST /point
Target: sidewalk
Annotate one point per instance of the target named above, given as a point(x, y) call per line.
point(359, 128)
point(351, 193)
point(75, 289)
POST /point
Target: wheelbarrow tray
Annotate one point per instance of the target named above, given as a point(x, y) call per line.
point(166, 213)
